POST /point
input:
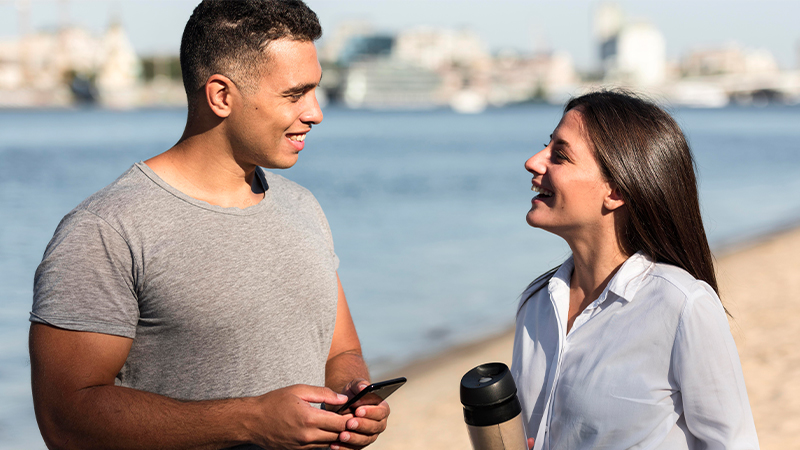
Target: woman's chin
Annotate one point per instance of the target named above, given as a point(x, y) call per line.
point(532, 220)
point(537, 221)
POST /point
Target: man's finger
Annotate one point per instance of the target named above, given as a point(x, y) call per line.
point(317, 394)
point(320, 437)
point(373, 412)
point(366, 426)
point(349, 439)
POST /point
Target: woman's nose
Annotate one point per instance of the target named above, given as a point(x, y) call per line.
point(535, 164)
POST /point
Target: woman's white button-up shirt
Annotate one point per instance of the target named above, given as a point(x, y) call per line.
point(650, 364)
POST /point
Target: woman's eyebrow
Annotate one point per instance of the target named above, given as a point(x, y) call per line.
point(559, 141)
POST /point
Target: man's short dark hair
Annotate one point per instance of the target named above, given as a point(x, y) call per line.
point(230, 37)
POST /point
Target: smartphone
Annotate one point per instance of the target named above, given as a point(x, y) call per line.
point(374, 393)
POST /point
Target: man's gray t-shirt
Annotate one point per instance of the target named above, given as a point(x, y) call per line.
point(219, 302)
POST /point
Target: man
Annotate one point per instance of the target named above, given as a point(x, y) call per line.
point(194, 302)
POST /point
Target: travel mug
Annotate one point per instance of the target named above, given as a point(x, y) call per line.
point(491, 409)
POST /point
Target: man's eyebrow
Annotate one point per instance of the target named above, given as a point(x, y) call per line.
point(302, 88)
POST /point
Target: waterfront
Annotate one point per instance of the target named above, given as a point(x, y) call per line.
point(427, 211)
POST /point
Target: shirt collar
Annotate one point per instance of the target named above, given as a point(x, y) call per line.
point(624, 284)
point(629, 277)
point(563, 275)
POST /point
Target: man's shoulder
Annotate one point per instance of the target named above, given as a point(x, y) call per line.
point(129, 193)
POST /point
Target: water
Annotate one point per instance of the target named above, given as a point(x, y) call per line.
point(427, 212)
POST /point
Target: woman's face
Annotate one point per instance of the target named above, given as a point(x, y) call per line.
point(572, 192)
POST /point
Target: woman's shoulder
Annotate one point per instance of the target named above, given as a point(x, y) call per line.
point(536, 286)
point(542, 279)
point(678, 287)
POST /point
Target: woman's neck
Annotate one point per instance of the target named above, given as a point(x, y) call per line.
point(595, 266)
point(596, 262)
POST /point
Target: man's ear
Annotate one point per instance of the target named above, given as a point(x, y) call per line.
point(614, 198)
point(221, 93)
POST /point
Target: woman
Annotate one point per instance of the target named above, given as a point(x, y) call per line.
point(626, 344)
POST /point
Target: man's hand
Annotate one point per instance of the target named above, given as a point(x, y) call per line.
point(368, 421)
point(284, 418)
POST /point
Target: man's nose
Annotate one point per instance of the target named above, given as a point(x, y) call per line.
point(313, 113)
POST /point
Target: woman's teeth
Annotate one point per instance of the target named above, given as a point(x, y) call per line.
point(542, 191)
point(298, 137)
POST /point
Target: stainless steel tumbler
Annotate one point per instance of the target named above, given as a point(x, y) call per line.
point(491, 409)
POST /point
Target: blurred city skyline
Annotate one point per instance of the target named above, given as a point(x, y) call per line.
point(154, 27)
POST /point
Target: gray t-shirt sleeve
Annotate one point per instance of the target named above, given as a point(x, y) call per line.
point(326, 230)
point(86, 280)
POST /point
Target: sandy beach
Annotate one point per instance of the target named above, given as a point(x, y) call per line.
point(759, 283)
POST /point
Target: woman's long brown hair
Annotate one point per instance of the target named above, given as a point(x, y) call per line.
point(642, 150)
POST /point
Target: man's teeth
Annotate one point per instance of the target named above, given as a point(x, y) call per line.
point(542, 191)
point(298, 137)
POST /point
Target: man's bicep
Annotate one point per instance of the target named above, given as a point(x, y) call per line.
point(345, 338)
point(64, 362)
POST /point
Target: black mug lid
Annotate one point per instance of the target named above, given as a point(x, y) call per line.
point(486, 385)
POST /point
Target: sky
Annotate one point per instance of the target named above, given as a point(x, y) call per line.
point(155, 26)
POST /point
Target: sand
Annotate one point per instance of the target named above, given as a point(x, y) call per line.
point(759, 284)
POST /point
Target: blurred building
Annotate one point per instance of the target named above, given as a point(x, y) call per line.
point(443, 49)
point(417, 68)
point(544, 76)
point(366, 48)
point(333, 47)
point(57, 68)
point(734, 73)
point(459, 57)
point(367, 73)
point(429, 67)
point(386, 83)
point(731, 59)
point(632, 53)
point(118, 69)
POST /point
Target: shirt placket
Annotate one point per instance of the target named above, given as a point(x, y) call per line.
point(544, 427)
point(563, 346)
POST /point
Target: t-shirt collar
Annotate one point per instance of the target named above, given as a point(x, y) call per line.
point(262, 179)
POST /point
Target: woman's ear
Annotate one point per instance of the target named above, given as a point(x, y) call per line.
point(220, 92)
point(614, 198)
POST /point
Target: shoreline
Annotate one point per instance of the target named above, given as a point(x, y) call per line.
point(728, 247)
point(755, 274)
point(723, 249)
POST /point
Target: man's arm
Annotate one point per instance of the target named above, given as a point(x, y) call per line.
point(78, 406)
point(347, 372)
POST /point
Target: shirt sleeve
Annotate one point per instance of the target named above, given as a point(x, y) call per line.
point(708, 372)
point(326, 229)
point(85, 281)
